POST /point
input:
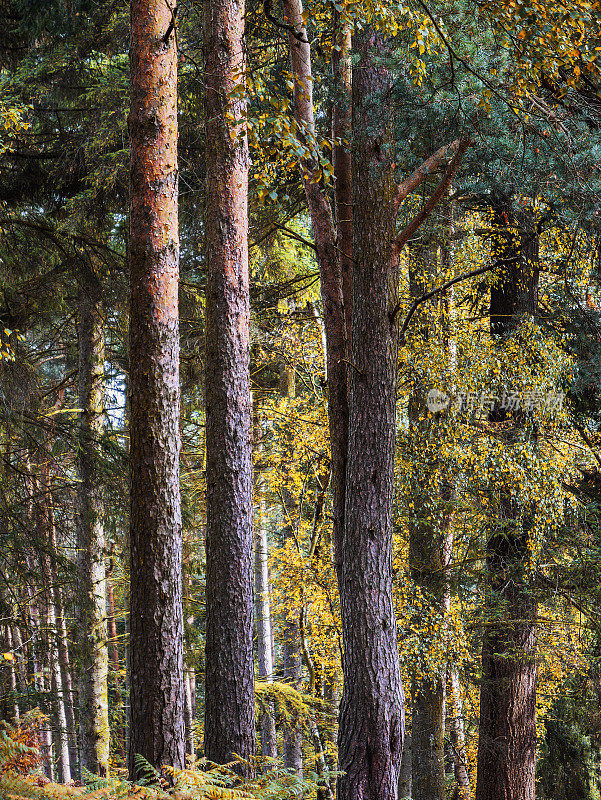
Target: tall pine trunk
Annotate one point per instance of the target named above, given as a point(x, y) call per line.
point(93, 692)
point(156, 616)
point(229, 685)
point(373, 708)
point(507, 734)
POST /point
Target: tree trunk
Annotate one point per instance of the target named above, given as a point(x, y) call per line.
point(12, 675)
point(93, 689)
point(373, 708)
point(293, 665)
point(67, 678)
point(188, 715)
point(263, 620)
point(23, 681)
point(330, 265)
point(457, 737)
point(507, 736)
point(113, 649)
point(343, 188)
point(229, 686)
point(63, 645)
point(156, 616)
point(47, 536)
point(405, 774)
point(426, 549)
point(293, 673)
point(62, 738)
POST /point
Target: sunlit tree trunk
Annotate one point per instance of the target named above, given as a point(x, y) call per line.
point(263, 607)
point(47, 537)
point(114, 661)
point(457, 736)
point(229, 684)
point(21, 665)
point(67, 678)
point(291, 637)
point(188, 714)
point(93, 691)
point(156, 615)
point(12, 674)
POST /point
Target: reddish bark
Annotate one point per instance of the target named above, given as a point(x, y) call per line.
point(229, 687)
point(156, 695)
point(372, 709)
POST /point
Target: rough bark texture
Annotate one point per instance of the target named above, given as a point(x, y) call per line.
point(93, 689)
point(372, 710)
point(229, 687)
point(507, 734)
point(156, 626)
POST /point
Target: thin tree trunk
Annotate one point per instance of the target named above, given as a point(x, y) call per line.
point(454, 703)
point(229, 686)
point(426, 551)
point(343, 189)
point(62, 738)
point(113, 649)
point(188, 715)
point(507, 734)
point(373, 707)
point(293, 667)
point(47, 536)
point(21, 662)
point(63, 643)
point(457, 737)
point(405, 774)
point(329, 261)
point(12, 675)
point(37, 649)
point(263, 619)
point(65, 664)
point(93, 689)
point(156, 615)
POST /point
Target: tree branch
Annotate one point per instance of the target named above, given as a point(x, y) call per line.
point(461, 146)
point(289, 28)
point(431, 164)
point(419, 300)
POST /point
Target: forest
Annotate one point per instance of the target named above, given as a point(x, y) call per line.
point(300, 399)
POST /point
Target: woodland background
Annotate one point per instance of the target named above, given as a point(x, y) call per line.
point(496, 538)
